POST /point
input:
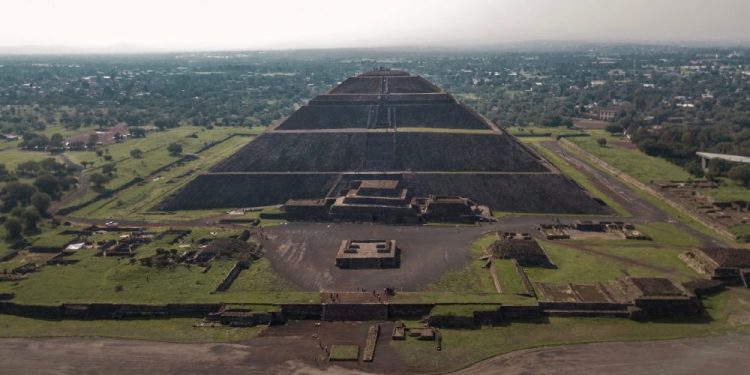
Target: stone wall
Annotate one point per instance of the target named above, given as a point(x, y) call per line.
point(355, 312)
point(409, 311)
point(303, 311)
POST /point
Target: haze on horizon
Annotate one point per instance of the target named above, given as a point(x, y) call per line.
point(291, 24)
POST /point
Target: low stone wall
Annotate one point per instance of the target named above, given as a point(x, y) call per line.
point(489, 317)
point(231, 276)
point(96, 311)
point(303, 311)
point(330, 312)
point(600, 306)
point(520, 312)
point(665, 307)
point(458, 322)
point(31, 311)
point(524, 279)
point(355, 312)
point(409, 311)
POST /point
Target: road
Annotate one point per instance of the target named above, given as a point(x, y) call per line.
point(641, 209)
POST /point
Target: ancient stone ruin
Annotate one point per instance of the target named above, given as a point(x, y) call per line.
point(383, 146)
point(633, 297)
point(522, 248)
point(368, 254)
point(728, 265)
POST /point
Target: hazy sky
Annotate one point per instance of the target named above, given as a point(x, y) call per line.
point(220, 24)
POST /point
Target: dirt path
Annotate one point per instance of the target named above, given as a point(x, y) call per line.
point(714, 355)
point(294, 352)
point(295, 348)
point(83, 186)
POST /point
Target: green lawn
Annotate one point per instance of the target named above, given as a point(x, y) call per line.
point(95, 279)
point(344, 353)
point(473, 278)
point(631, 161)
point(555, 132)
point(135, 202)
point(667, 233)
point(508, 277)
point(170, 330)
point(729, 191)
point(13, 156)
point(609, 260)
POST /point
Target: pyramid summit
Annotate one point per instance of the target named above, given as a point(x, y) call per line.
point(384, 125)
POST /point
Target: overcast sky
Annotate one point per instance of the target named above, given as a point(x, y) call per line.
point(280, 24)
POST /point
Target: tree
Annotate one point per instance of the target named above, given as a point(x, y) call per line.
point(137, 132)
point(19, 191)
point(717, 168)
point(48, 184)
point(614, 129)
point(136, 153)
point(174, 149)
point(13, 228)
point(741, 174)
point(98, 179)
point(30, 218)
point(601, 142)
point(166, 123)
point(41, 202)
point(109, 169)
point(56, 141)
point(93, 140)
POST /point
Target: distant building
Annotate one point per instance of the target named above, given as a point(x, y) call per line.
point(606, 114)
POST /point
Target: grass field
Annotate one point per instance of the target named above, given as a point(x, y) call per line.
point(169, 330)
point(97, 279)
point(587, 262)
point(155, 155)
point(508, 277)
point(667, 233)
point(631, 161)
point(648, 168)
point(538, 130)
point(474, 278)
point(135, 202)
point(344, 353)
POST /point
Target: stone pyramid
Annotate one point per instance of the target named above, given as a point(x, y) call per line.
point(386, 124)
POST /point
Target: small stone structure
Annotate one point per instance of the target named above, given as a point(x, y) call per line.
point(553, 231)
point(126, 246)
point(372, 340)
point(376, 200)
point(585, 229)
point(456, 209)
point(729, 265)
point(521, 247)
point(368, 254)
point(633, 297)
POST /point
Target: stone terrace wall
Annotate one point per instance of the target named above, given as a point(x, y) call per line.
point(345, 311)
point(221, 191)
